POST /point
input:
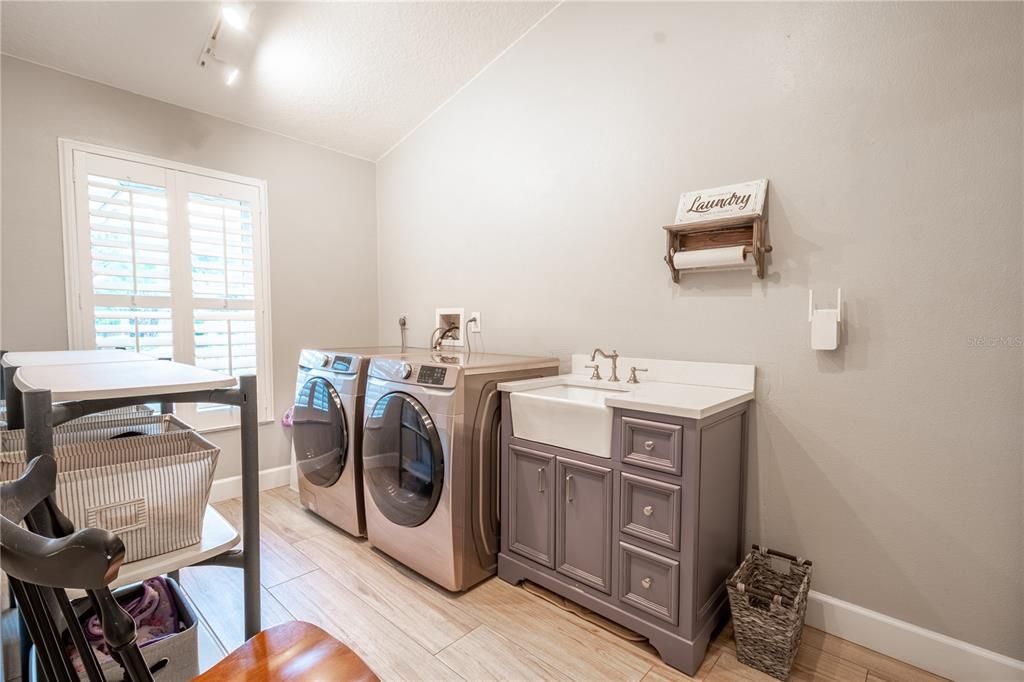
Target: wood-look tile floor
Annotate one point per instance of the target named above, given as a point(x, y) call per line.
point(406, 628)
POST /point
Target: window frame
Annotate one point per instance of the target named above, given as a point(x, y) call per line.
point(182, 302)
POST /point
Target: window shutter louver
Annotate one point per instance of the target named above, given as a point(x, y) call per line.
point(222, 248)
point(226, 340)
point(145, 330)
point(130, 258)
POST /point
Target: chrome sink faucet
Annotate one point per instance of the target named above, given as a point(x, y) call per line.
point(614, 357)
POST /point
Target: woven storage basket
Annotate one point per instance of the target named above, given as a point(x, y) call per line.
point(768, 597)
point(150, 490)
point(99, 427)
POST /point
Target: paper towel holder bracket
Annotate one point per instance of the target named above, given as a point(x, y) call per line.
point(750, 232)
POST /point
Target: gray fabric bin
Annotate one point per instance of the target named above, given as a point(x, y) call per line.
point(177, 655)
point(149, 490)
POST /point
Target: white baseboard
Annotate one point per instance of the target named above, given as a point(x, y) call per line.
point(226, 488)
point(923, 648)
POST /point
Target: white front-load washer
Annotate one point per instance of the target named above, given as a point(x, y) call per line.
point(430, 459)
point(327, 433)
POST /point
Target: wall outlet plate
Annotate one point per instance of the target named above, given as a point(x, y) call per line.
point(451, 317)
point(473, 324)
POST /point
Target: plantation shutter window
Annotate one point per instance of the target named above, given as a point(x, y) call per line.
point(169, 261)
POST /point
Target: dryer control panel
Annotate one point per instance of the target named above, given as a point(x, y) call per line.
point(329, 360)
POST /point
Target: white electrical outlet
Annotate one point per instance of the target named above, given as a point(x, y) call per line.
point(474, 323)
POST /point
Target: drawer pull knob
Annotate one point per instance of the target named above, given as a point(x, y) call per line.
point(648, 445)
point(648, 510)
point(646, 582)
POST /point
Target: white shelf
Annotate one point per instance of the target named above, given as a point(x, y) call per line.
point(94, 381)
point(69, 357)
point(218, 537)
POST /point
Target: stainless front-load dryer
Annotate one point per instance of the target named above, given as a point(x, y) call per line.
point(430, 459)
point(327, 433)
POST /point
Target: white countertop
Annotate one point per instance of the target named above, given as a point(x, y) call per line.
point(69, 357)
point(659, 397)
point(681, 388)
point(95, 381)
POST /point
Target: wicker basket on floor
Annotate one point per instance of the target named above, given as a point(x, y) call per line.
point(768, 597)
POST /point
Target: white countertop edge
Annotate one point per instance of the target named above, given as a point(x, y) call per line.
point(39, 358)
point(544, 363)
point(119, 379)
point(675, 411)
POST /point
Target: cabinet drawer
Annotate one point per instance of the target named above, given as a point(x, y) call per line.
point(652, 445)
point(649, 582)
point(650, 510)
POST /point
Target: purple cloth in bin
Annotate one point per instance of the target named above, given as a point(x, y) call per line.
point(155, 614)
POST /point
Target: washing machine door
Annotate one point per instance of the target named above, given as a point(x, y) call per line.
point(319, 432)
point(403, 463)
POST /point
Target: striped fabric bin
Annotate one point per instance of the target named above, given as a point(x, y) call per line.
point(151, 491)
point(100, 426)
point(118, 412)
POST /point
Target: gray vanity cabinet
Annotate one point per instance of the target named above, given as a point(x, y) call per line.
point(530, 526)
point(646, 537)
point(583, 532)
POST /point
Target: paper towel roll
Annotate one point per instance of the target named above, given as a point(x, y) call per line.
point(729, 256)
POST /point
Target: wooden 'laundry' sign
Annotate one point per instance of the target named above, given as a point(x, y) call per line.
point(731, 201)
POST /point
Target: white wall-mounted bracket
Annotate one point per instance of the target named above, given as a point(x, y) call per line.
point(446, 318)
point(825, 323)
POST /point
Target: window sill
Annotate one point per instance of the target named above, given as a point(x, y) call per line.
point(229, 427)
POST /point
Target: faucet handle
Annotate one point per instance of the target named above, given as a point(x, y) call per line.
point(632, 374)
point(596, 376)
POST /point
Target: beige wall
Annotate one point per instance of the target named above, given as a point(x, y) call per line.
point(892, 135)
point(321, 205)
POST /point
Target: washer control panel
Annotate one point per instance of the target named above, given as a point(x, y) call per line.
point(431, 375)
point(400, 370)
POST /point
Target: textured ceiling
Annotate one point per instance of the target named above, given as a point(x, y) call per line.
point(354, 77)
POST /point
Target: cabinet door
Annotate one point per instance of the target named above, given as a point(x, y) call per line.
point(583, 539)
point(531, 523)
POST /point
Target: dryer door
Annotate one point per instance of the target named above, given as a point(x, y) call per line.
point(403, 462)
point(320, 433)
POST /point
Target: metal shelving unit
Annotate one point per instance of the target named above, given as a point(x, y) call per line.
point(42, 396)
